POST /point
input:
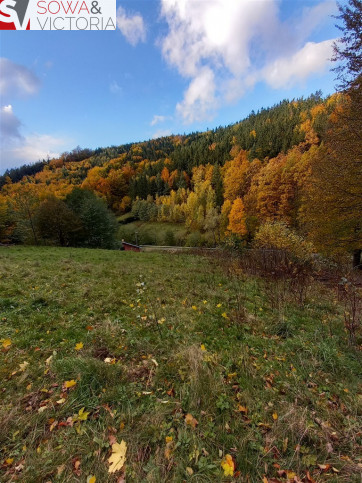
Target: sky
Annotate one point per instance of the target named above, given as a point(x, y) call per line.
point(170, 67)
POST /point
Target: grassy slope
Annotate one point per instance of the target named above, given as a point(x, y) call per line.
point(300, 369)
point(152, 232)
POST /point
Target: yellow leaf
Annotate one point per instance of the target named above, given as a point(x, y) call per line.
point(118, 457)
point(203, 348)
point(275, 416)
point(82, 416)
point(9, 461)
point(219, 305)
point(23, 365)
point(224, 314)
point(61, 401)
point(6, 343)
point(91, 479)
point(228, 465)
point(194, 307)
point(79, 346)
point(68, 384)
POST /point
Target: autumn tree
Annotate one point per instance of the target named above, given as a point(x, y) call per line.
point(237, 218)
point(23, 203)
point(333, 198)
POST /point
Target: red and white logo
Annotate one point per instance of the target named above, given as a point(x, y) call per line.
point(14, 15)
point(57, 15)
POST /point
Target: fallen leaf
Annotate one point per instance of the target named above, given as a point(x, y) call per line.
point(91, 479)
point(81, 416)
point(228, 465)
point(275, 416)
point(68, 384)
point(23, 365)
point(79, 346)
point(191, 421)
point(6, 343)
point(242, 409)
point(118, 457)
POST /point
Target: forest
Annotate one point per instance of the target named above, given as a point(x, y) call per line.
point(295, 164)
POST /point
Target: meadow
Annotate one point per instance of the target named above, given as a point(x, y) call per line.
point(180, 364)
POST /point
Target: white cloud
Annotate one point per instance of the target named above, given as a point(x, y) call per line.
point(223, 47)
point(17, 149)
point(16, 79)
point(30, 149)
point(131, 26)
point(161, 133)
point(199, 100)
point(158, 119)
point(286, 71)
point(9, 125)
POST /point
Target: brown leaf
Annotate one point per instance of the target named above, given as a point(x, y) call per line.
point(191, 421)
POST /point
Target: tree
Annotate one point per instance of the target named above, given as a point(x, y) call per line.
point(99, 225)
point(55, 221)
point(24, 202)
point(332, 209)
point(237, 218)
point(348, 49)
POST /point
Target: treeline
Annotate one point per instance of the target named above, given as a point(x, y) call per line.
point(82, 219)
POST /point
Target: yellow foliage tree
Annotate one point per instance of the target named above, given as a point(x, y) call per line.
point(237, 218)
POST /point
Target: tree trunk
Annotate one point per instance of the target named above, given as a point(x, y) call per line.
point(357, 259)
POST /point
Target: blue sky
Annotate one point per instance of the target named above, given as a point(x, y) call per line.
point(172, 66)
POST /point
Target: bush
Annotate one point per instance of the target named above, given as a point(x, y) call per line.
point(278, 236)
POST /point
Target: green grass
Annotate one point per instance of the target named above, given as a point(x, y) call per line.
point(153, 233)
point(151, 316)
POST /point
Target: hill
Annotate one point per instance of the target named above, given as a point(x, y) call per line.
point(290, 163)
point(186, 359)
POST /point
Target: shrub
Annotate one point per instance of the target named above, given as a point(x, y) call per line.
point(278, 236)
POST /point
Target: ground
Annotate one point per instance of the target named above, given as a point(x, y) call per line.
point(187, 363)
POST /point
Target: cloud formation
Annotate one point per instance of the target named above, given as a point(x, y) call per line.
point(16, 148)
point(158, 119)
point(30, 149)
point(224, 47)
point(9, 125)
point(131, 26)
point(17, 80)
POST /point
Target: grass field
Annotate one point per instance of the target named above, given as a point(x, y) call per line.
point(157, 233)
point(183, 361)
